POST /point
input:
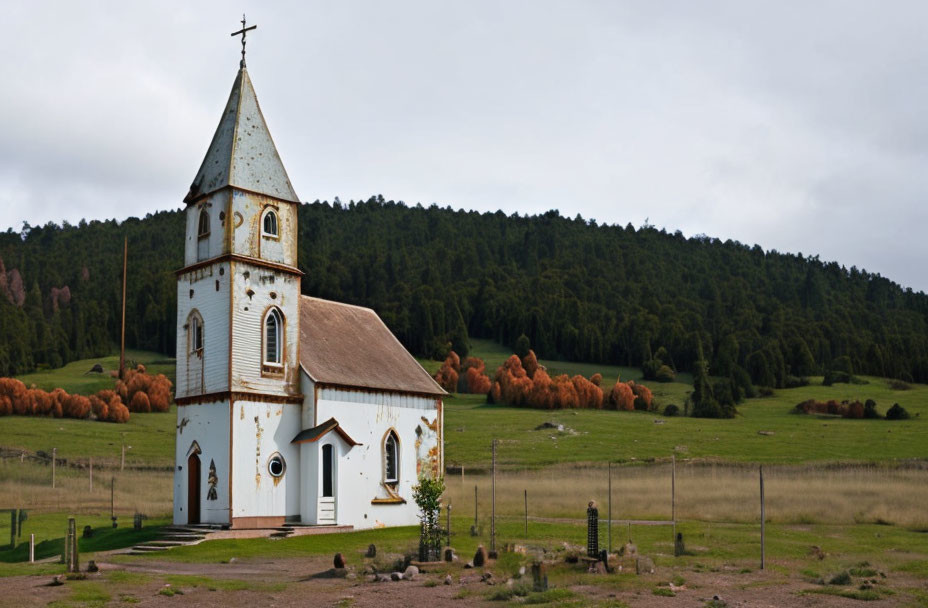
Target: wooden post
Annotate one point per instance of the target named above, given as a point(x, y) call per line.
point(32, 548)
point(449, 524)
point(475, 508)
point(493, 504)
point(122, 340)
point(762, 518)
point(72, 562)
point(122, 458)
point(526, 513)
point(13, 518)
point(91, 473)
point(113, 500)
point(609, 502)
point(54, 457)
point(673, 495)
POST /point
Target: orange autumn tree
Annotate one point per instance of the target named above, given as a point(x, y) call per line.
point(476, 380)
point(16, 399)
point(622, 397)
point(447, 375)
point(522, 382)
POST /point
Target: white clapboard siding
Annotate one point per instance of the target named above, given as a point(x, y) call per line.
point(210, 374)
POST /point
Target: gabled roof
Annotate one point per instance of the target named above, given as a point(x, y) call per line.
point(318, 432)
point(242, 153)
point(350, 346)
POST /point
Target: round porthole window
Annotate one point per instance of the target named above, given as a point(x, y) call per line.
point(276, 466)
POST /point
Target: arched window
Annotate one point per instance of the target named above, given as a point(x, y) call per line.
point(391, 459)
point(273, 338)
point(203, 224)
point(195, 327)
point(269, 225)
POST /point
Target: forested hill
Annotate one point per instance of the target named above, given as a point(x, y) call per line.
point(579, 290)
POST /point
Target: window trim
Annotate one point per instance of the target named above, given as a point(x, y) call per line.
point(194, 322)
point(269, 211)
point(204, 215)
point(393, 483)
point(283, 464)
point(273, 367)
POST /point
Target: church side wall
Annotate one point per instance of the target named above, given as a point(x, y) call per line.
point(268, 288)
point(209, 372)
point(366, 417)
point(206, 424)
point(259, 431)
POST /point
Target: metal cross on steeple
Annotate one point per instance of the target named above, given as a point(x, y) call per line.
point(243, 32)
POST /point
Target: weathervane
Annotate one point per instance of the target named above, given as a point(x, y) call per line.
point(243, 31)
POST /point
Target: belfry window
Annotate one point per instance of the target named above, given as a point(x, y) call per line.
point(269, 225)
point(196, 334)
point(391, 459)
point(203, 224)
point(273, 338)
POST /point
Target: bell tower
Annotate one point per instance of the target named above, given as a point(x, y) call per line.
point(238, 322)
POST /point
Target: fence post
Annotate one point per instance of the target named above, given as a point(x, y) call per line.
point(673, 494)
point(609, 502)
point(13, 518)
point(474, 528)
point(762, 518)
point(91, 473)
point(54, 455)
point(493, 505)
point(122, 458)
point(526, 513)
point(32, 548)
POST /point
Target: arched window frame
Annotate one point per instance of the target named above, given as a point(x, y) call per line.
point(270, 213)
point(391, 446)
point(203, 224)
point(195, 337)
point(273, 365)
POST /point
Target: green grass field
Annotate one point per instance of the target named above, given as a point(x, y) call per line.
point(590, 435)
point(74, 378)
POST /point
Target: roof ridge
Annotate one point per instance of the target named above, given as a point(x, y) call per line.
point(358, 306)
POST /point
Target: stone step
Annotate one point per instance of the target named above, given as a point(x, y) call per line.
point(184, 538)
point(148, 548)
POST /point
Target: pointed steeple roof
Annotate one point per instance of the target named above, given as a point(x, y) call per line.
point(242, 153)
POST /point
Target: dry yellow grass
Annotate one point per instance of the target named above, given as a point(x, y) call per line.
point(29, 486)
point(707, 493)
point(704, 493)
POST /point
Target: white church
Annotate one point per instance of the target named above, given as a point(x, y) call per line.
point(291, 409)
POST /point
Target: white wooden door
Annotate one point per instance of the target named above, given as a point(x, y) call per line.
point(326, 507)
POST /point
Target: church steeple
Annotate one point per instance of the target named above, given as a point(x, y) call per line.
point(242, 154)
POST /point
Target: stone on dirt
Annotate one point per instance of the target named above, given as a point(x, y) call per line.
point(339, 561)
point(644, 565)
point(448, 580)
point(382, 578)
point(449, 555)
point(411, 573)
point(628, 549)
point(92, 566)
point(339, 572)
point(371, 551)
point(396, 576)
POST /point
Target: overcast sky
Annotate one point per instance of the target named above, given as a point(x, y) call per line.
point(800, 126)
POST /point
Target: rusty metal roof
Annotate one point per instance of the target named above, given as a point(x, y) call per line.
point(242, 153)
point(351, 346)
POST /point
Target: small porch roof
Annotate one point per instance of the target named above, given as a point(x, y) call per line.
point(318, 432)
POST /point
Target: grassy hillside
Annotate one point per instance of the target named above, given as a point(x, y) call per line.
point(74, 378)
point(589, 436)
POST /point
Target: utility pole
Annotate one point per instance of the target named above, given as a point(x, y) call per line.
point(122, 342)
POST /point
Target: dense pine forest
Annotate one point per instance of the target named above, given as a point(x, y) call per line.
point(577, 289)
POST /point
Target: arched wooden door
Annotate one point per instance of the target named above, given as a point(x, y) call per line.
point(193, 489)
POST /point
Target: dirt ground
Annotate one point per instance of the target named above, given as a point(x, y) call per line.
point(308, 582)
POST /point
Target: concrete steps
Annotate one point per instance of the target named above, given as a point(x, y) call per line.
point(174, 536)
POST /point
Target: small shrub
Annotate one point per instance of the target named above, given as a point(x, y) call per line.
point(899, 385)
point(672, 410)
point(842, 578)
point(664, 374)
point(897, 412)
point(663, 592)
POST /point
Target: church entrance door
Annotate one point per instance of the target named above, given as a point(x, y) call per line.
point(327, 495)
point(193, 489)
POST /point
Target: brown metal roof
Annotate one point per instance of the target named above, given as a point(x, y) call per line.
point(351, 346)
point(318, 432)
